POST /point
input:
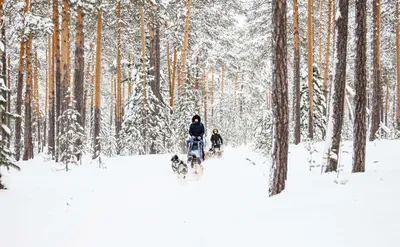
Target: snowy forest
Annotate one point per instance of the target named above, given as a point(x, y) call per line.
point(112, 78)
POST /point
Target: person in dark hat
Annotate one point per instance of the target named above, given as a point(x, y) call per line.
point(196, 131)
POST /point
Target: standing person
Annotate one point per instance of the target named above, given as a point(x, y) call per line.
point(216, 140)
point(196, 131)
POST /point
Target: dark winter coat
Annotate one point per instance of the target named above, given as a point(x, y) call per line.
point(196, 129)
point(216, 139)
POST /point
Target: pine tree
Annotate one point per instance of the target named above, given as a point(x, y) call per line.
point(263, 133)
point(319, 104)
point(71, 134)
point(134, 124)
point(6, 156)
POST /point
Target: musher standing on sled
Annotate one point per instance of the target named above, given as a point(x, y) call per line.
point(196, 131)
point(216, 140)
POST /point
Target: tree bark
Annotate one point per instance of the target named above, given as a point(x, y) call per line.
point(377, 90)
point(310, 42)
point(144, 83)
point(20, 85)
point(97, 113)
point(79, 79)
point(327, 54)
point(185, 41)
point(278, 173)
point(4, 118)
point(339, 85)
point(119, 92)
point(57, 64)
point(37, 103)
point(398, 61)
point(28, 142)
point(360, 100)
point(296, 93)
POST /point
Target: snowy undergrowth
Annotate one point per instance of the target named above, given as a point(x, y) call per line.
point(137, 201)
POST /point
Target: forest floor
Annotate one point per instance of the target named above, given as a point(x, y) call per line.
point(138, 201)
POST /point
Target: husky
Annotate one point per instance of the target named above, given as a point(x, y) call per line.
point(179, 167)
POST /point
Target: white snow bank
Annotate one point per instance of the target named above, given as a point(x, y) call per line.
point(137, 201)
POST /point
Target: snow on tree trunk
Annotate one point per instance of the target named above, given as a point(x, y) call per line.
point(28, 141)
point(339, 86)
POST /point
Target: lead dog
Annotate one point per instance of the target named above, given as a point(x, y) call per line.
point(179, 167)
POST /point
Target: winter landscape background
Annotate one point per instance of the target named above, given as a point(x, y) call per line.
point(97, 95)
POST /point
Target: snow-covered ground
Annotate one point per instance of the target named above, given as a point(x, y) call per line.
point(137, 201)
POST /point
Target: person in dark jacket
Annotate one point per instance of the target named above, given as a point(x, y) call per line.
point(216, 139)
point(196, 131)
point(196, 128)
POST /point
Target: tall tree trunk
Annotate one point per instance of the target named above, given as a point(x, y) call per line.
point(65, 51)
point(9, 98)
point(185, 41)
point(20, 85)
point(28, 142)
point(205, 88)
point(310, 69)
point(79, 78)
point(119, 92)
point(144, 74)
point(157, 79)
point(48, 80)
point(4, 118)
point(398, 61)
point(57, 64)
point(278, 173)
point(327, 54)
point(339, 85)
point(360, 100)
point(97, 113)
point(321, 3)
point(36, 97)
point(377, 90)
point(296, 93)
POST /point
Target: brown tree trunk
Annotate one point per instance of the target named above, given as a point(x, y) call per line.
point(97, 116)
point(321, 3)
point(119, 92)
point(360, 100)
point(28, 142)
point(79, 79)
point(339, 84)
point(48, 79)
point(296, 93)
point(57, 56)
point(327, 54)
point(65, 68)
point(185, 41)
point(144, 73)
point(20, 85)
point(377, 91)
point(278, 173)
point(310, 42)
point(37, 103)
point(398, 62)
